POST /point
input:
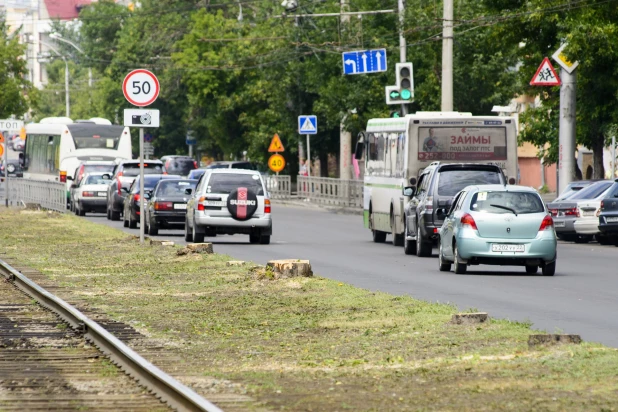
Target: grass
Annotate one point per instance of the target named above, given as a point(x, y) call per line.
point(309, 344)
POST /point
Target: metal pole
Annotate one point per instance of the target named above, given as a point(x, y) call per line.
point(567, 128)
point(6, 172)
point(66, 86)
point(89, 76)
point(402, 45)
point(141, 185)
point(447, 57)
point(308, 158)
point(190, 150)
point(613, 157)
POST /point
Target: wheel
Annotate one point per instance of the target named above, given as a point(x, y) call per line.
point(603, 239)
point(378, 235)
point(397, 238)
point(582, 239)
point(153, 229)
point(531, 270)
point(197, 237)
point(253, 239)
point(188, 234)
point(82, 212)
point(132, 223)
point(114, 215)
point(409, 246)
point(444, 265)
point(75, 211)
point(109, 216)
point(460, 268)
point(423, 249)
point(265, 240)
point(549, 269)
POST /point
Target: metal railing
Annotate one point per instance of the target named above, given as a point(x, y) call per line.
point(329, 191)
point(279, 187)
point(48, 195)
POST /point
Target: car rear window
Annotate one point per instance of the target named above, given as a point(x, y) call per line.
point(175, 187)
point(97, 180)
point(243, 165)
point(450, 182)
point(593, 191)
point(226, 183)
point(132, 169)
point(506, 202)
point(180, 166)
point(98, 168)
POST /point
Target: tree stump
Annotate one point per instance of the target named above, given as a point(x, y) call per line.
point(469, 318)
point(552, 339)
point(161, 242)
point(289, 268)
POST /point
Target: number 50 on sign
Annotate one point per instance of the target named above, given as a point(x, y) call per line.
point(276, 163)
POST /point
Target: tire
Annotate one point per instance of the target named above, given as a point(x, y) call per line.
point(75, 211)
point(114, 215)
point(409, 246)
point(124, 222)
point(549, 269)
point(443, 264)
point(197, 237)
point(132, 223)
point(188, 234)
point(582, 239)
point(460, 268)
point(423, 249)
point(82, 212)
point(397, 239)
point(531, 270)
point(378, 235)
point(109, 216)
point(254, 239)
point(265, 240)
point(153, 230)
point(603, 239)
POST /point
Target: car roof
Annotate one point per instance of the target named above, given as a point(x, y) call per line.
point(503, 188)
point(95, 174)
point(234, 171)
point(97, 162)
point(177, 179)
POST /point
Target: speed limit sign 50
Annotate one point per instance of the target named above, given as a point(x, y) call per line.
point(140, 87)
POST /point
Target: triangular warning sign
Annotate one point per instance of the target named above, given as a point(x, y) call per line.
point(275, 144)
point(545, 75)
point(307, 126)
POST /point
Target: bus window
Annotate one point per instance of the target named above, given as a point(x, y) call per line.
point(95, 136)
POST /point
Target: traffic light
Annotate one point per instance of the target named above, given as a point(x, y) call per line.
point(403, 91)
point(395, 113)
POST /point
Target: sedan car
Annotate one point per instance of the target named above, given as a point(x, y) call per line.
point(576, 218)
point(131, 209)
point(229, 201)
point(498, 225)
point(572, 188)
point(608, 216)
point(90, 194)
point(167, 205)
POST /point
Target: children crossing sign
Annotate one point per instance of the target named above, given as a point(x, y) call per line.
point(276, 145)
point(545, 75)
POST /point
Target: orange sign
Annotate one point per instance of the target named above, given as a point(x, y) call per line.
point(276, 162)
point(1, 138)
point(1, 150)
point(276, 145)
point(22, 133)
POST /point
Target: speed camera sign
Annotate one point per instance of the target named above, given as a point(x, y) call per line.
point(140, 87)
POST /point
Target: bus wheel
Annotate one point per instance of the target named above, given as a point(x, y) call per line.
point(378, 235)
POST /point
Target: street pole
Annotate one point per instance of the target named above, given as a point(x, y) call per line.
point(190, 150)
point(613, 157)
point(402, 45)
point(6, 172)
point(566, 154)
point(308, 157)
point(66, 86)
point(141, 185)
point(447, 57)
point(345, 137)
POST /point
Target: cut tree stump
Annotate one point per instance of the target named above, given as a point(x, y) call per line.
point(161, 242)
point(289, 268)
point(469, 318)
point(195, 248)
point(552, 339)
point(236, 263)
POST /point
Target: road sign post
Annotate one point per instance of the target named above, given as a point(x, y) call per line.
point(308, 125)
point(141, 88)
point(9, 125)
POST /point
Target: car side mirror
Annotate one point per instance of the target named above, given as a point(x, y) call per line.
point(147, 195)
point(408, 191)
point(70, 178)
point(188, 191)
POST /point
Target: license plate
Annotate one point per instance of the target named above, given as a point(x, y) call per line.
point(180, 206)
point(558, 224)
point(502, 247)
point(214, 203)
point(611, 219)
point(587, 214)
point(102, 194)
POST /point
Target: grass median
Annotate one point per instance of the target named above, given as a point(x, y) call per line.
point(308, 344)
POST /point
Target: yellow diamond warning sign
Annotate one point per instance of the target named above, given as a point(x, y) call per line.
point(276, 145)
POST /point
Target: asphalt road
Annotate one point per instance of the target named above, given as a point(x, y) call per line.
point(581, 298)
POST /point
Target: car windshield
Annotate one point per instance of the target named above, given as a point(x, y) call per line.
point(180, 166)
point(174, 187)
point(452, 181)
point(591, 192)
point(506, 202)
point(226, 183)
point(132, 169)
point(97, 180)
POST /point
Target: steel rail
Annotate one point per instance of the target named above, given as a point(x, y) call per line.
point(165, 387)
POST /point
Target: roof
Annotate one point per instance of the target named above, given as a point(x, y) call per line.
point(507, 188)
point(234, 171)
point(64, 9)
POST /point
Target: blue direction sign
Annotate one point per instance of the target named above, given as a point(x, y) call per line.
point(366, 61)
point(148, 138)
point(308, 124)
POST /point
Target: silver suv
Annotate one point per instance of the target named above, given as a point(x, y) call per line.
point(229, 201)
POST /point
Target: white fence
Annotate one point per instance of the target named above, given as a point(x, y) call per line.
point(279, 187)
point(329, 191)
point(49, 195)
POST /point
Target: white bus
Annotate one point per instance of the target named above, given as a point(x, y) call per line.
point(57, 145)
point(396, 150)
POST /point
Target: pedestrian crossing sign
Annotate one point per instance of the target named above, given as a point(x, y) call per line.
point(307, 124)
point(276, 145)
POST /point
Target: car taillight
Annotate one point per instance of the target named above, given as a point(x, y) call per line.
point(266, 206)
point(136, 197)
point(195, 164)
point(163, 205)
point(572, 212)
point(119, 184)
point(547, 223)
point(553, 212)
point(200, 203)
point(602, 204)
point(468, 220)
point(88, 194)
point(63, 176)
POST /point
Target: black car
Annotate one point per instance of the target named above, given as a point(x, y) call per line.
point(432, 196)
point(13, 168)
point(167, 205)
point(178, 165)
point(131, 201)
point(122, 176)
point(608, 216)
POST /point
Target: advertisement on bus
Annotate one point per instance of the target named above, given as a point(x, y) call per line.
point(462, 143)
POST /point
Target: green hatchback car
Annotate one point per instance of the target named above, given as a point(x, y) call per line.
point(498, 225)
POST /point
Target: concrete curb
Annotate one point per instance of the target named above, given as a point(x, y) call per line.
point(317, 206)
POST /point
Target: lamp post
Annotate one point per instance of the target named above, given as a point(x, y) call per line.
point(58, 37)
point(66, 78)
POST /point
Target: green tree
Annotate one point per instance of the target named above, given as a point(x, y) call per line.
point(17, 95)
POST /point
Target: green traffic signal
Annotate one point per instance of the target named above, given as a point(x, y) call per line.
point(394, 94)
point(405, 94)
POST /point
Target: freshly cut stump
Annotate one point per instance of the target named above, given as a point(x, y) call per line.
point(235, 263)
point(289, 268)
point(469, 318)
point(161, 242)
point(552, 339)
point(195, 248)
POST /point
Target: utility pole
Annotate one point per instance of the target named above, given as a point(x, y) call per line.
point(402, 44)
point(566, 154)
point(447, 57)
point(345, 137)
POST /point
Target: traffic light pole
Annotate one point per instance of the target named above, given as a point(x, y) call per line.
point(447, 57)
point(402, 45)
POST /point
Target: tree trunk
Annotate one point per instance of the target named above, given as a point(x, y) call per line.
point(597, 155)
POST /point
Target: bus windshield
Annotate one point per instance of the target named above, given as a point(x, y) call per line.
point(95, 136)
